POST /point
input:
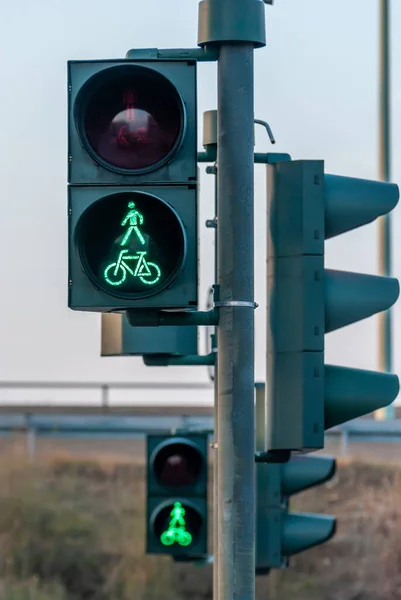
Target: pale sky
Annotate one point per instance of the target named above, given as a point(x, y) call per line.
point(315, 83)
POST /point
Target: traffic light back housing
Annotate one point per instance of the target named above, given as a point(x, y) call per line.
point(305, 301)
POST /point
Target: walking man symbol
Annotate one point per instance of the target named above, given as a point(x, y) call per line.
point(134, 218)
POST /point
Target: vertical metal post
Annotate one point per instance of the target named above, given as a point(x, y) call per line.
point(384, 224)
point(216, 420)
point(105, 396)
point(30, 438)
point(235, 426)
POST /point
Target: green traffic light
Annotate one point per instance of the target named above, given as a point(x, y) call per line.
point(131, 244)
point(132, 185)
point(148, 272)
point(177, 528)
point(177, 494)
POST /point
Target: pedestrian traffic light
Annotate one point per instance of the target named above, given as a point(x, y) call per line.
point(177, 471)
point(280, 533)
point(304, 397)
point(132, 176)
point(119, 338)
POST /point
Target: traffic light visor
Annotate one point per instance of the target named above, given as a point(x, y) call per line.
point(131, 244)
point(131, 119)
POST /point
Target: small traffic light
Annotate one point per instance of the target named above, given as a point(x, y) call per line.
point(177, 472)
point(305, 301)
point(280, 533)
point(132, 184)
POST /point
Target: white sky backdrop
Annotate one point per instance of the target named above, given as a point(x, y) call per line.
point(316, 83)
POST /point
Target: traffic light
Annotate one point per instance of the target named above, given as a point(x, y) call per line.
point(119, 338)
point(133, 176)
point(305, 301)
point(280, 533)
point(177, 471)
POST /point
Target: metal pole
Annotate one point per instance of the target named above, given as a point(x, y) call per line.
point(30, 438)
point(216, 420)
point(384, 224)
point(235, 427)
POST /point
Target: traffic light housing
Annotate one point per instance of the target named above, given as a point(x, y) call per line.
point(304, 396)
point(119, 338)
point(177, 472)
point(280, 533)
point(133, 176)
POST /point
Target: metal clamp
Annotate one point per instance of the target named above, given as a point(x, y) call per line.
point(244, 303)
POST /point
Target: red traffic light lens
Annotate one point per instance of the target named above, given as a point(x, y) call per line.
point(132, 118)
point(178, 465)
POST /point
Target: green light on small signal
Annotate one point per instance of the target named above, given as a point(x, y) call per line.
point(176, 531)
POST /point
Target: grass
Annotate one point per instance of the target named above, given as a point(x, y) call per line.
point(73, 529)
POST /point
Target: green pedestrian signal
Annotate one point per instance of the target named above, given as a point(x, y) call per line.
point(131, 261)
point(133, 180)
point(177, 528)
point(304, 396)
point(134, 218)
point(177, 495)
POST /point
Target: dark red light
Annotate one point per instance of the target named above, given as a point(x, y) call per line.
point(135, 120)
point(178, 464)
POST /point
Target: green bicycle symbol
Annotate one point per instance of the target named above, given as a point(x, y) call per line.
point(176, 531)
point(148, 272)
point(183, 538)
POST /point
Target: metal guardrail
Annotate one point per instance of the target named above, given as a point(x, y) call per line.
point(121, 426)
point(103, 388)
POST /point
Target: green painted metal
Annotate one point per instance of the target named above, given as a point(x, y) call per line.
point(164, 360)
point(206, 54)
point(209, 155)
point(302, 531)
point(180, 341)
point(154, 318)
point(350, 203)
point(350, 393)
point(279, 532)
point(176, 495)
point(224, 21)
point(351, 297)
point(305, 397)
point(305, 472)
point(261, 158)
point(120, 339)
